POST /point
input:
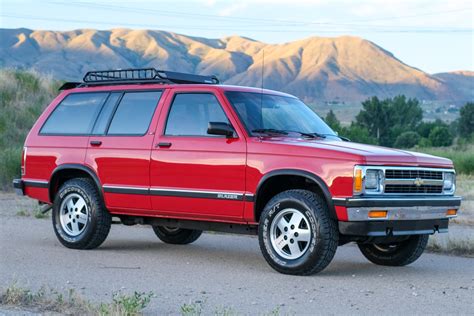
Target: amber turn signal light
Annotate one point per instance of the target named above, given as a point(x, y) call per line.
point(358, 181)
point(377, 214)
point(452, 212)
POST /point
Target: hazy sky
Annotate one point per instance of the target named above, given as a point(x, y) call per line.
point(433, 35)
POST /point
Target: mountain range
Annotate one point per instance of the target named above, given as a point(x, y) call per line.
point(325, 69)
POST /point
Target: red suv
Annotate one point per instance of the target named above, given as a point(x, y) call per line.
point(184, 154)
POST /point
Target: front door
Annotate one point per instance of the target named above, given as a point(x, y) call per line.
point(193, 174)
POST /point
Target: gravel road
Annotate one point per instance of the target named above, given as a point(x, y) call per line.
point(228, 272)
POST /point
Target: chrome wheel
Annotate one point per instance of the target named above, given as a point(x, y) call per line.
point(73, 214)
point(290, 234)
point(387, 248)
point(170, 229)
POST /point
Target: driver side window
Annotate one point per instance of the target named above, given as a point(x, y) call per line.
point(190, 114)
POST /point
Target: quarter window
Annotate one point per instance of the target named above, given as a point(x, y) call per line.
point(134, 113)
point(100, 126)
point(191, 113)
point(75, 114)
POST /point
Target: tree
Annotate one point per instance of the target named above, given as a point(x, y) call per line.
point(466, 120)
point(332, 121)
point(440, 136)
point(424, 128)
point(405, 113)
point(374, 117)
point(387, 119)
point(407, 140)
point(358, 134)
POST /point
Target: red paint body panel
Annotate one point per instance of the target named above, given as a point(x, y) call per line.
point(235, 165)
point(199, 163)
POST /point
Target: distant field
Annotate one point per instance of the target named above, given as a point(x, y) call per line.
point(462, 156)
point(347, 111)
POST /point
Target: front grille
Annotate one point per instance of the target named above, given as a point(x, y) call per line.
point(413, 181)
point(413, 189)
point(413, 174)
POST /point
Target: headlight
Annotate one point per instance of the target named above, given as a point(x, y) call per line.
point(372, 180)
point(449, 181)
point(367, 180)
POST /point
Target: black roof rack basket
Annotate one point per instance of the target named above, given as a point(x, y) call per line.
point(144, 75)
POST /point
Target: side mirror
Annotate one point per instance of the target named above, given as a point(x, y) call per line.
point(220, 128)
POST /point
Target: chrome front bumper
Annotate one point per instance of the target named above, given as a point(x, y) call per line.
point(420, 208)
point(405, 216)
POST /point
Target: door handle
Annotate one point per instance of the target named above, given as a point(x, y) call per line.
point(96, 142)
point(163, 145)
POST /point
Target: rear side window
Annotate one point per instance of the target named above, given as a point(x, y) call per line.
point(191, 113)
point(134, 113)
point(75, 114)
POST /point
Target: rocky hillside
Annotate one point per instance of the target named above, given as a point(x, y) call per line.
point(317, 68)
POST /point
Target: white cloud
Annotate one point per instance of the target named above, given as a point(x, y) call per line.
point(210, 3)
point(233, 8)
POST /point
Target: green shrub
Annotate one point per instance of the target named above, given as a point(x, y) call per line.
point(407, 140)
point(424, 142)
point(440, 136)
point(23, 96)
point(10, 164)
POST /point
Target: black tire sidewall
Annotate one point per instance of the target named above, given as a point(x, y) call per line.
point(81, 239)
point(179, 237)
point(306, 261)
point(407, 252)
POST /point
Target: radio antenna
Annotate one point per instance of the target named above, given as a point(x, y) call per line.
point(261, 84)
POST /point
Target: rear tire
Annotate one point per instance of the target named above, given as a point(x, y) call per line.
point(395, 254)
point(297, 234)
point(80, 219)
point(176, 236)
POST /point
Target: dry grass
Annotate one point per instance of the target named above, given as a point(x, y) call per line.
point(45, 300)
point(456, 243)
point(465, 188)
point(460, 239)
point(70, 303)
point(14, 205)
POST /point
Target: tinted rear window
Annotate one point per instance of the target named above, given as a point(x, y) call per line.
point(134, 113)
point(75, 114)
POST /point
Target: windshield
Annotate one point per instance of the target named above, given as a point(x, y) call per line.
point(267, 113)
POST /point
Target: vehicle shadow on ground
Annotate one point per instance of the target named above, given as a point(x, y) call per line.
point(348, 262)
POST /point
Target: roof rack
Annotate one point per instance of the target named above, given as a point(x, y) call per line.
point(138, 76)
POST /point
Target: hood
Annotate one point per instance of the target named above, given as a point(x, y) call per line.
point(375, 155)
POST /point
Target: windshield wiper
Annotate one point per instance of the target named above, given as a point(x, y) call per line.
point(315, 134)
point(269, 131)
point(286, 132)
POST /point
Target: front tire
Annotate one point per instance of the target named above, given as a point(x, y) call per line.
point(175, 235)
point(395, 254)
point(80, 219)
point(296, 233)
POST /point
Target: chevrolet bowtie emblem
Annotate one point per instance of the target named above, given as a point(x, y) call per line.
point(418, 182)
